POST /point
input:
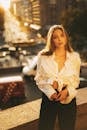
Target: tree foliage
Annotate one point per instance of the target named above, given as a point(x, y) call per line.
point(75, 21)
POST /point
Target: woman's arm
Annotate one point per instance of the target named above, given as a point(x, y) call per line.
point(43, 81)
point(72, 81)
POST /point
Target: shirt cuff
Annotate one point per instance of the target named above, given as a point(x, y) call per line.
point(50, 81)
point(72, 92)
point(48, 91)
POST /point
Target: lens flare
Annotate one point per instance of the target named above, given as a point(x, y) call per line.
point(5, 4)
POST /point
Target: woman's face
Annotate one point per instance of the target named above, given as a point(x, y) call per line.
point(59, 38)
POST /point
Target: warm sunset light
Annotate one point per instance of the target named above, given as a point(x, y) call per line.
point(5, 3)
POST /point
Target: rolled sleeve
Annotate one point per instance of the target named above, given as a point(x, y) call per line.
point(44, 85)
point(43, 82)
point(73, 80)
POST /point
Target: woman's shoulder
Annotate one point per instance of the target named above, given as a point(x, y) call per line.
point(43, 59)
point(75, 56)
point(41, 56)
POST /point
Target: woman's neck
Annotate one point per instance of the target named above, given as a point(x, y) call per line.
point(60, 52)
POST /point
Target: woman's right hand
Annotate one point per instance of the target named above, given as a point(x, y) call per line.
point(55, 85)
point(53, 96)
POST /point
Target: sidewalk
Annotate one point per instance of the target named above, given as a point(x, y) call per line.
point(28, 114)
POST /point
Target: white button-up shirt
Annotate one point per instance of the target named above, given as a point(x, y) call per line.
point(47, 72)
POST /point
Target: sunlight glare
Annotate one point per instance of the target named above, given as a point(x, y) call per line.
point(5, 3)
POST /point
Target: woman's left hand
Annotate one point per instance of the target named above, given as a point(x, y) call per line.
point(62, 95)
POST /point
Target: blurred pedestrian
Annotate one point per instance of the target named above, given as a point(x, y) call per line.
point(57, 76)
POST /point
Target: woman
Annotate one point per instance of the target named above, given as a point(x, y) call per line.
point(57, 77)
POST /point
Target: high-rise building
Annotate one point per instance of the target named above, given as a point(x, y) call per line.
point(42, 12)
point(27, 10)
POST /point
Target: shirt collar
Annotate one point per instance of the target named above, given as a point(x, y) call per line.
point(67, 55)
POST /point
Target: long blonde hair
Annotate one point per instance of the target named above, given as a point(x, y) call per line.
point(49, 48)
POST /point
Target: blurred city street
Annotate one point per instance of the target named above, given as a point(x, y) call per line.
point(12, 62)
point(23, 33)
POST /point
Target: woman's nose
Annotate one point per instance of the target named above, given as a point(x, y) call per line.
point(59, 38)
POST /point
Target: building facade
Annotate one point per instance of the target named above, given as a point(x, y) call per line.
point(42, 12)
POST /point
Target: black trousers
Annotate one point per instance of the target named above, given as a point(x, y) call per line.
point(66, 114)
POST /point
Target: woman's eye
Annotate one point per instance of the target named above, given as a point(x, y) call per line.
point(62, 35)
point(54, 37)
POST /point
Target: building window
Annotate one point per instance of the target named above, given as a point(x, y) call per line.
point(52, 2)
